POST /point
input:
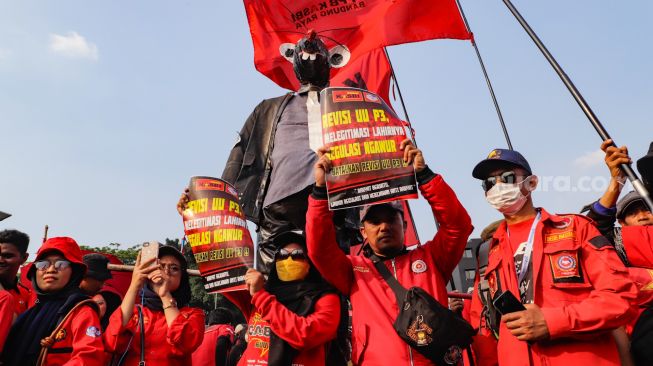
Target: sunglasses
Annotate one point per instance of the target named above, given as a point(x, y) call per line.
point(509, 177)
point(295, 254)
point(60, 264)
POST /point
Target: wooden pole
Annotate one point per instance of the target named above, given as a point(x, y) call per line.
point(45, 233)
point(128, 268)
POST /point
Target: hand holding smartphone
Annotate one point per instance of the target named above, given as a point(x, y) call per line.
point(507, 303)
point(150, 250)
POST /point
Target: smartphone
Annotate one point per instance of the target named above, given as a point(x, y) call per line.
point(150, 250)
point(507, 303)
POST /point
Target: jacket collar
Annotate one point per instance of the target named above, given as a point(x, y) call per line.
point(545, 216)
point(369, 253)
point(305, 88)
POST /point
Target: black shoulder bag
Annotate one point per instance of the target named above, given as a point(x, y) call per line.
point(428, 327)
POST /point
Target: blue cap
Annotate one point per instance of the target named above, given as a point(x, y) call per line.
point(499, 158)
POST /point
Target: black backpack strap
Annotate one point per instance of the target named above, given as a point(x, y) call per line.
point(488, 312)
point(395, 286)
point(141, 326)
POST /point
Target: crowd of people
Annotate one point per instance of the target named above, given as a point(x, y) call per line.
point(585, 284)
point(550, 290)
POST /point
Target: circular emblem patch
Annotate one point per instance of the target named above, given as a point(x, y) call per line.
point(372, 97)
point(453, 355)
point(93, 331)
point(566, 262)
point(563, 224)
point(418, 266)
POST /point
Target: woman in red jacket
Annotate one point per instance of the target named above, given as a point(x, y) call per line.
point(171, 329)
point(293, 315)
point(63, 327)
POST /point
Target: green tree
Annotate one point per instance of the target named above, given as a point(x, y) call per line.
point(127, 256)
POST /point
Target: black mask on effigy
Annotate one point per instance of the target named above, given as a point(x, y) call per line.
point(311, 61)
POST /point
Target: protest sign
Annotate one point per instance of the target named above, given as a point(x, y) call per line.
point(216, 230)
point(364, 135)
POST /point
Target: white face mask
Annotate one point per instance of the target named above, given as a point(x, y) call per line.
point(507, 198)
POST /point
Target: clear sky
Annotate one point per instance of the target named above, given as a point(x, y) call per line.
point(108, 108)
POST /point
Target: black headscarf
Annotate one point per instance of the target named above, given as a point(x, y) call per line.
point(300, 298)
point(182, 294)
point(24, 340)
point(112, 302)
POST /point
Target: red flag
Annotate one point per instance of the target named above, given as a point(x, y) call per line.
point(410, 234)
point(349, 28)
point(370, 72)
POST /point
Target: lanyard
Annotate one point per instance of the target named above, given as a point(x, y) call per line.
point(526, 259)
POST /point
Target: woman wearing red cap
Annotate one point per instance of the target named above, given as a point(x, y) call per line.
point(168, 331)
point(63, 327)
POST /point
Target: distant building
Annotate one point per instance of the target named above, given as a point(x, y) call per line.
point(463, 274)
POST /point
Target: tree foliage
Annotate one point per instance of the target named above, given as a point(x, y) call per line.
point(127, 256)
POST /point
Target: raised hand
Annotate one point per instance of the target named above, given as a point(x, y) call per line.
point(142, 271)
point(322, 166)
point(254, 281)
point(183, 201)
point(413, 155)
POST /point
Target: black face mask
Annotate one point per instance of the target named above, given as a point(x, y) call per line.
point(311, 61)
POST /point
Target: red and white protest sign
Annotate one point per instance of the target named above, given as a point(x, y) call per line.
point(216, 230)
point(364, 135)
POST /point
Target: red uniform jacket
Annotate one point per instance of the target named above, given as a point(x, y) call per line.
point(429, 266)
point(638, 243)
point(22, 298)
point(205, 353)
point(307, 334)
point(79, 342)
point(6, 315)
point(164, 346)
point(579, 283)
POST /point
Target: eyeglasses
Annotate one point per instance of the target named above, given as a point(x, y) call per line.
point(508, 177)
point(295, 254)
point(170, 268)
point(59, 264)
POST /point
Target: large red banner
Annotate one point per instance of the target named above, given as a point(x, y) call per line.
point(216, 230)
point(350, 28)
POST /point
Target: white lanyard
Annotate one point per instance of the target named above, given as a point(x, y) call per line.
point(528, 251)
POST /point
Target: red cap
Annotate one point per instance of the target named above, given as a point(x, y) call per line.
point(66, 246)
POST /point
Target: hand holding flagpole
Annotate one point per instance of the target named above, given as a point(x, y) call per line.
point(594, 120)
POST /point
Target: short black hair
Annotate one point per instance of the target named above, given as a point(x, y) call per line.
point(17, 238)
point(220, 316)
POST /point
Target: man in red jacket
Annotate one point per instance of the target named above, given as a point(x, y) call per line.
point(574, 287)
point(13, 245)
point(374, 308)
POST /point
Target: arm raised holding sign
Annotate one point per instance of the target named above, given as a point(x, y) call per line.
point(322, 247)
point(383, 227)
